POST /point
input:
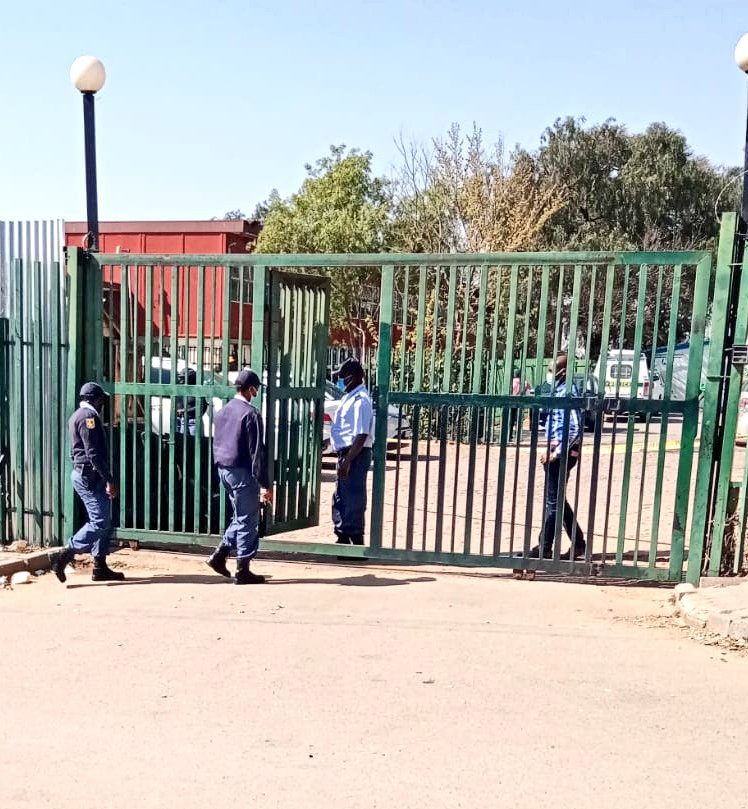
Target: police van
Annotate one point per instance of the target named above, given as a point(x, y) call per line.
point(618, 375)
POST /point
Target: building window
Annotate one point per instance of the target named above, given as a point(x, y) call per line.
point(235, 275)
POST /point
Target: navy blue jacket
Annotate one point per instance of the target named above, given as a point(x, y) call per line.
point(88, 443)
point(238, 439)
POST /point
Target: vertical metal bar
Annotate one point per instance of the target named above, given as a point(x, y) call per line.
point(645, 448)
point(36, 334)
point(240, 333)
point(634, 396)
point(124, 306)
point(449, 339)
point(556, 350)
point(506, 387)
point(404, 335)
point(150, 278)
point(56, 402)
point(133, 462)
point(174, 352)
point(384, 359)
point(74, 368)
point(729, 434)
point(480, 336)
point(691, 416)
point(465, 324)
point(603, 363)
point(539, 360)
point(420, 327)
point(667, 394)
point(621, 338)
point(489, 412)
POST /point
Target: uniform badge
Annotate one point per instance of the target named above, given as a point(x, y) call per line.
point(90, 423)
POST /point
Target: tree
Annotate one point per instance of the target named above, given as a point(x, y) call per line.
point(340, 208)
point(643, 191)
point(460, 196)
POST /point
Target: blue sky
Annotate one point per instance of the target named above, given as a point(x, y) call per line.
point(208, 106)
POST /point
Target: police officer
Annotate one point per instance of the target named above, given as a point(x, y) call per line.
point(239, 455)
point(93, 483)
point(352, 438)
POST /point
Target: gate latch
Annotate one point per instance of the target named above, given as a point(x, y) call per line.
point(739, 354)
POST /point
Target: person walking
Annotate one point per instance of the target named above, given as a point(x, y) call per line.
point(93, 483)
point(239, 455)
point(563, 432)
point(352, 438)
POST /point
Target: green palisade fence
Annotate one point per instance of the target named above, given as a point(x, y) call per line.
point(32, 425)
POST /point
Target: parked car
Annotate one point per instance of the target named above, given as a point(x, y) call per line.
point(618, 374)
point(397, 426)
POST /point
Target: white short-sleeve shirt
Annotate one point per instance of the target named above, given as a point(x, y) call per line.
point(354, 417)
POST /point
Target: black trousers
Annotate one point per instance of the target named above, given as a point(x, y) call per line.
point(571, 526)
point(349, 500)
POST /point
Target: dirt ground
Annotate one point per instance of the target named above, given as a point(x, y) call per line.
point(356, 685)
point(498, 517)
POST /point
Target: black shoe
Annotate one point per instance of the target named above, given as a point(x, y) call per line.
point(245, 576)
point(579, 549)
point(102, 572)
point(535, 553)
point(342, 539)
point(63, 558)
point(217, 561)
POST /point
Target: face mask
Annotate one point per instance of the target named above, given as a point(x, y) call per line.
point(549, 378)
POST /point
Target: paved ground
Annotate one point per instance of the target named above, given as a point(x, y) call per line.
point(720, 610)
point(360, 687)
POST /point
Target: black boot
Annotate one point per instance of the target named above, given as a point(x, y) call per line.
point(535, 553)
point(102, 572)
point(244, 575)
point(217, 561)
point(62, 560)
point(580, 547)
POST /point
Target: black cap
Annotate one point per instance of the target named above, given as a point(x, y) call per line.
point(247, 378)
point(351, 367)
point(92, 390)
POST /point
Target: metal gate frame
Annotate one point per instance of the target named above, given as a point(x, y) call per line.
point(85, 360)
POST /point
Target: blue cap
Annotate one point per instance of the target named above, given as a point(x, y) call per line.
point(94, 391)
point(247, 378)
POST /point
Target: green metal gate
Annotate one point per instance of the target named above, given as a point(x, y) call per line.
point(167, 336)
point(460, 337)
point(298, 314)
point(456, 474)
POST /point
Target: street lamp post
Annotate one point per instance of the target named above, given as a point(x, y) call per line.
point(88, 75)
point(741, 59)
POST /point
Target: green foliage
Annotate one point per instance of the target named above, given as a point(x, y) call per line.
point(630, 192)
point(340, 208)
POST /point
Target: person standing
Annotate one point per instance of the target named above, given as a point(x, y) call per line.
point(239, 455)
point(563, 432)
point(93, 483)
point(352, 438)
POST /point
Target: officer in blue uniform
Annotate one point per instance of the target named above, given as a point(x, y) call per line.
point(352, 438)
point(93, 483)
point(239, 455)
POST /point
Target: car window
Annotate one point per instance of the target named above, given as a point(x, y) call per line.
point(621, 371)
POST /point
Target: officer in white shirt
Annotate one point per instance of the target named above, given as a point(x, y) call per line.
point(352, 437)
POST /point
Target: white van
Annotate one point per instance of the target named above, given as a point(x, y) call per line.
point(619, 372)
